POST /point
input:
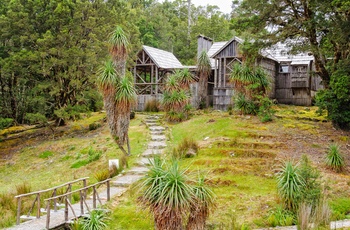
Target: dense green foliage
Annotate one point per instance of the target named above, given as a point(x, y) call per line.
point(50, 50)
point(336, 99)
point(252, 85)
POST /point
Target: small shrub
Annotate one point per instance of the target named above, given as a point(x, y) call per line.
point(290, 184)
point(102, 175)
point(23, 188)
point(45, 154)
point(311, 191)
point(334, 158)
point(35, 118)
point(280, 217)
point(94, 126)
point(245, 106)
point(97, 220)
point(5, 122)
point(152, 106)
point(186, 148)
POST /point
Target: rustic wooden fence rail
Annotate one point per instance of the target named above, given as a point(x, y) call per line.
point(38, 195)
point(83, 194)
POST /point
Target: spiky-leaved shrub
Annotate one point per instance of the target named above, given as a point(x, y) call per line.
point(167, 194)
point(97, 220)
point(334, 158)
point(200, 209)
point(244, 105)
point(290, 184)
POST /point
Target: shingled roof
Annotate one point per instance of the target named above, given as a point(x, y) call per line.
point(163, 59)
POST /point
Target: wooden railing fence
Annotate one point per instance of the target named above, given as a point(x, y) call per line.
point(82, 193)
point(38, 195)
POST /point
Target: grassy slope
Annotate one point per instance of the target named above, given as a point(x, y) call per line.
point(241, 155)
point(45, 162)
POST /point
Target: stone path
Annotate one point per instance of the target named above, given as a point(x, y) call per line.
point(119, 184)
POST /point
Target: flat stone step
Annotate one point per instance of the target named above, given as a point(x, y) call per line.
point(144, 161)
point(152, 152)
point(138, 171)
point(26, 218)
point(154, 121)
point(156, 145)
point(151, 124)
point(157, 132)
point(126, 180)
point(158, 137)
point(156, 128)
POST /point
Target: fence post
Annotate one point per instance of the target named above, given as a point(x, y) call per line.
point(19, 201)
point(108, 191)
point(94, 197)
point(55, 200)
point(84, 184)
point(81, 202)
point(66, 209)
point(38, 211)
point(48, 215)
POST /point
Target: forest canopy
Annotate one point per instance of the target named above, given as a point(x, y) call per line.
point(51, 51)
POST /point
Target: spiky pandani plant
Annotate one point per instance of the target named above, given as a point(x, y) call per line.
point(167, 194)
point(334, 158)
point(290, 184)
point(172, 83)
point(118, 90)
point(185, 78)
point(175, 100)
point(97, 220)
point(250, 80)
point(199, 212)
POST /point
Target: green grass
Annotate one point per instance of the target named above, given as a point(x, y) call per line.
point(50, 170)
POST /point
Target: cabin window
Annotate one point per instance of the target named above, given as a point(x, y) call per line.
point(284, 68)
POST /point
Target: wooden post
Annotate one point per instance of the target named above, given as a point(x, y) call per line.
point(157, 80)
point(66, 209)
point(19, 201)
point(55, 200)
point(81, 202)
point(38, 211)
point(69, 190)
point(224, 77)
point(108, 191)
point(219, 76)
point(84, 184)
point(94, 197)
point(216, 73)
point(48, 215)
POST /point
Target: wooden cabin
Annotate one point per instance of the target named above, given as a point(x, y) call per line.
point(151, 68)
point(293, 81)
